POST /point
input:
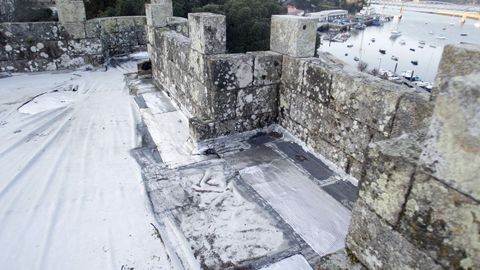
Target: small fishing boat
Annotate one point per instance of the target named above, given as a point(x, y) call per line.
point(414, 62)
point(412, 49)
point(382, 51)
point(395, 33)
point(444, 28)
point(441, 37)
point(356, 59)
point(421, 42)
point(402, 42)
point(433, 46)
point(394, 58)
point(346, 54)
point(421, 47)
point(373, 39)
point(463, 34)
point(349, 45)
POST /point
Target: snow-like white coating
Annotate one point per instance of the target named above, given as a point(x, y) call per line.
point(48, 101)
point(317, 217)
point(71, 196)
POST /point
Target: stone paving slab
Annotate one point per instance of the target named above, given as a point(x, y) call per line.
point(224, 215)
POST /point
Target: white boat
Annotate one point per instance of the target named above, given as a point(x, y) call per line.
point(441, 37)
point(430, 33)
point(421, 42)
point(402, 42)
point(395, 33)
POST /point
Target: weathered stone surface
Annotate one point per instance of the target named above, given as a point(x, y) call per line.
point(157, 14)
point(224, 104)
point(208, 32)
point(317, 82)
point(414, 114)
point(443, 222)
point(197, 65)
point(452, 151)
point(365, 98)
point(178, 49)
point(178, 24)
point(255, 100)
point(293, 70)
point(75, 29)
point(340, 260)
point(70, 11)
point(230, 71)
point(349, 135)
point(206, 129)
point(293, 35)
point(378, 246)
point(388, 175)
point(267, 67)
point(457, 60)
point(329, 151)
point(60, 46)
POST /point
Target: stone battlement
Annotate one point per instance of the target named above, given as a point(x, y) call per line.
point(69, 43)
point(402, 145)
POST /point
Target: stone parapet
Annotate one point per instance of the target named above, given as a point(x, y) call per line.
point(219, 92)
point(40, 46)
point(420, 192)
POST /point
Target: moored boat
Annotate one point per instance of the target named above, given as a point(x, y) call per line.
point(395, 33)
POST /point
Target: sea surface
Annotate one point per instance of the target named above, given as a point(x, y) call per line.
point(415, 27)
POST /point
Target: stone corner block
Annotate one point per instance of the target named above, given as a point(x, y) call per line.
point(414, 114)
point(457, 60)
point(71, 11)
point(443, 223)
point(293, 35)
point(452, 151)
point(157, 14)
point(208, 32)
point(378, 246)
point(388, 175)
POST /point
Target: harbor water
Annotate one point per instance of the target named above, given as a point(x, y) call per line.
point(430, 31)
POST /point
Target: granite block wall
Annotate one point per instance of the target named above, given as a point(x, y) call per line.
point(338, 111)
point(419, 200)
point(221, 93)
point(72, 42)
